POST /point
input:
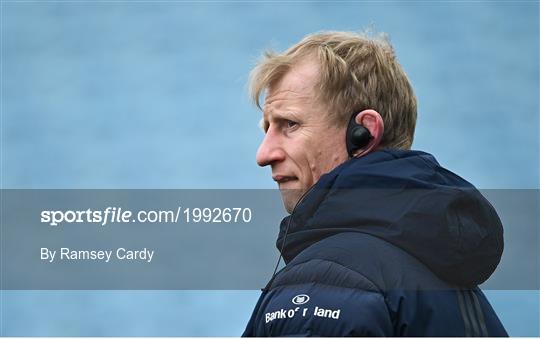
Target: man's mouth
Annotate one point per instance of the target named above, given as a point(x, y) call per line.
point(280, 179)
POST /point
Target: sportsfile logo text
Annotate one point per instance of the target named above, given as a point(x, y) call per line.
point(120, 215)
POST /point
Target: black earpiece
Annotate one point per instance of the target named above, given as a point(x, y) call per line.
point(357, 136)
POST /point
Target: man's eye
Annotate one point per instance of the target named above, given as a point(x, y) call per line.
point(291, 124)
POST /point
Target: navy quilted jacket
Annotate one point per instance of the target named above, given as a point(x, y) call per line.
point(389, 244)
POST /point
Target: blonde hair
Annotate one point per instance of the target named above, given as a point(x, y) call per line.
point(356, 72)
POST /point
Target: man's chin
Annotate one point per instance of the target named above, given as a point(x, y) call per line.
point(290, 198)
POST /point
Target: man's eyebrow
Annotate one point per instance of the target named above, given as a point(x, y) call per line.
point(290, 114)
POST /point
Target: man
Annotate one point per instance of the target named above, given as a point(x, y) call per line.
point(381, 240)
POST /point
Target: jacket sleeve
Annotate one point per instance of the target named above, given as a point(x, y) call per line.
point(320, 310)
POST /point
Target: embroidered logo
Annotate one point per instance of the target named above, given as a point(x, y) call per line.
point(300, 299)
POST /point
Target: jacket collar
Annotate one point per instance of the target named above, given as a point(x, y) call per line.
point(409, 200)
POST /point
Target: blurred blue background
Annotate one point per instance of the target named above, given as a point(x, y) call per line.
point(153, 95)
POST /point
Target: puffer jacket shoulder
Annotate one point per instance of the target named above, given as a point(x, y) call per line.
point(355, 284)
point(389, 244)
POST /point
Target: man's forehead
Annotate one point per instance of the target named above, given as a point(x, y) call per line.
point(285, 102)
point(296, 87)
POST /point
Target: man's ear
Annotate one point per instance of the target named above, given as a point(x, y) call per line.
point(373, 121)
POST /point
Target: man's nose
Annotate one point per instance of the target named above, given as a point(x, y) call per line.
point(270, 150)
